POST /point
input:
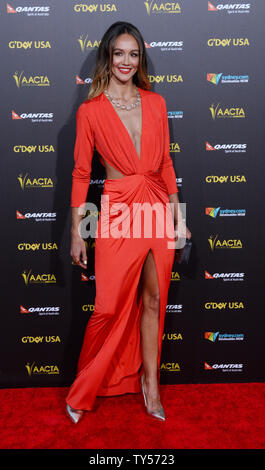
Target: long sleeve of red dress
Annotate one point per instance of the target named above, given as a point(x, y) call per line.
point(83, 154)
point(166, 168)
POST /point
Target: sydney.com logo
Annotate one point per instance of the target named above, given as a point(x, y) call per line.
point(216, 336)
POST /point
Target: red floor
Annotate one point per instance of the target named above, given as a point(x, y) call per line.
point(208, 416)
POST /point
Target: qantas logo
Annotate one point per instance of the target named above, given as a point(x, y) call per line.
point(165, 45)
point(40, 310)
point(174, 308)
point(225, 276)
point(230, 8)
point(37, 216)
point(30, 11)
point(80, 81)
point(224, 367)
point(228, 148)
point(87, 278)
point(35, 117)
point(15, 115)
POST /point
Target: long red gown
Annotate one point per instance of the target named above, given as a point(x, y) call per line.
point(110, 360)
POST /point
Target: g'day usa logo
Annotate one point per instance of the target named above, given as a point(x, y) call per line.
point(224, 367)
point(33, 117)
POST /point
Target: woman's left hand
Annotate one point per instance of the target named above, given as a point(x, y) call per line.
point(184, 232)
point(188, 233)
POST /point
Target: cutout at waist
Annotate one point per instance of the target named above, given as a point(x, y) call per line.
point(112, 173)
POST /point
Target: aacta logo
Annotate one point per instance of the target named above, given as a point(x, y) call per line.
point(26, 182)
point(162, 7)
point(33, 369)
point(37, 80)
point(31, 11)
point(174, 147)
point(231, 243)
point(87, 44)
point(44, 278)
point(170, 367)
point(217, 112)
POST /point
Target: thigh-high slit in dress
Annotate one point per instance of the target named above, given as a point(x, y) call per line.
point(110, 361)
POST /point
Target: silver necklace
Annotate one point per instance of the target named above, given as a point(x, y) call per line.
point(123, 106)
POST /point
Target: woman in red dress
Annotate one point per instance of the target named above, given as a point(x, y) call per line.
point(127, 123)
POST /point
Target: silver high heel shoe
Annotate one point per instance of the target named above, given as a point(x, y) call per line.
point(74, 415)
point(159, 414)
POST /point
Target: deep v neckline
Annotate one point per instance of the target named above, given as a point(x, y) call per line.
point(125, 128)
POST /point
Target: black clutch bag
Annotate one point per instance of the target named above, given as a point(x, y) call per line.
point(184, 253)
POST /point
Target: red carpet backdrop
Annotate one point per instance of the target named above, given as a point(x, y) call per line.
point(207, 60)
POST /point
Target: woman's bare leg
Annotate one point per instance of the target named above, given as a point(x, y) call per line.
point(149, 327)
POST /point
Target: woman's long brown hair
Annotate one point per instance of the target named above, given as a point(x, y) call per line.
point(101, 76)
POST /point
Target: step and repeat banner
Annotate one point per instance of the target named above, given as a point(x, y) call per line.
point(207, 60)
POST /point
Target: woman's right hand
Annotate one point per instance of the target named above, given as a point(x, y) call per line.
point(78, 250)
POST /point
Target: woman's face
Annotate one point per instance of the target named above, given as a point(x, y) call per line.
point(125, 58)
